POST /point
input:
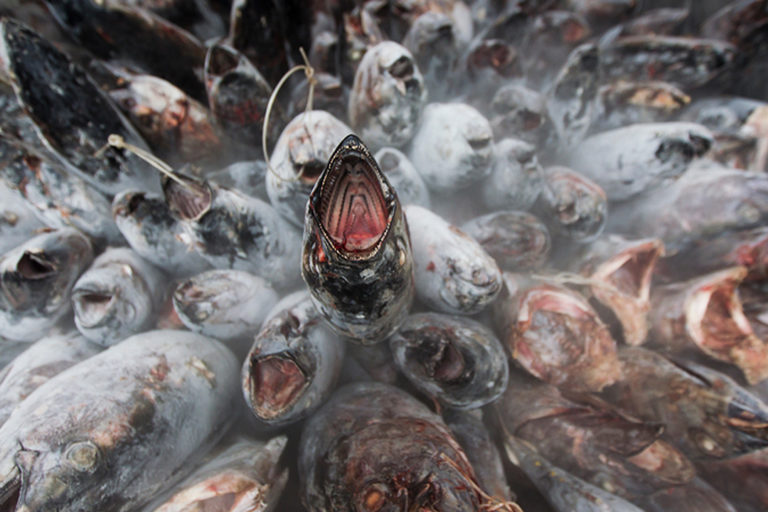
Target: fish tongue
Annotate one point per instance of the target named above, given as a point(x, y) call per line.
point(362, 229)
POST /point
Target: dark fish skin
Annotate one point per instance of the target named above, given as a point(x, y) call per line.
point(117, 30)
point(36, 279)
point(42, 361)
point(662, 21)
point(72, 116)
point(592, 440)
point(742, 480)
point(108, 433)
point(516, 240)
point(705, 315)
point(695, 496)
point(196, 16)
point(455, 360)
point(364, 294)
point(705, 413)
point(684, 61)
point(255, 25)
point(374, 447)
point(293, 364)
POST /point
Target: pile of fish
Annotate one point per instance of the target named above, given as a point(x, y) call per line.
point(415, 255)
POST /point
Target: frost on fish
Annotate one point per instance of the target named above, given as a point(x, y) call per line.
point(293, 364)
point(455, 360)
point(356, 257)
point(453, 147)
point(374, 447)
point(18, 221)
point(403, 176)
point(118, 296)
point(432, 41)
point(36, 279)
point(453, 272)
point(246, 477)
point(72, 115)
point(705, 315)
point(516, 180)
point(108, 433)
point(517, 111)
point(387, 97)
point(304, 148)
point(40, 362)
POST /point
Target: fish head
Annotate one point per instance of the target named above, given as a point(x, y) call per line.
point(189, 199)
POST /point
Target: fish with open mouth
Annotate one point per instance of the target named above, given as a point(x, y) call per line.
point(356, 257)
point(516, 177)
point(293, 364)
point(403, 176)
point(36, 280)
point(108, 433)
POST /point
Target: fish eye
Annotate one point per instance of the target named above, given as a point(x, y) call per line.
point(82, 455)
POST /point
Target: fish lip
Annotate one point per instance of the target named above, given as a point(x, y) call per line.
point(352, 144)
point(92, 320)
point(35, 265)
point(204, 189)
point(264, 409)
point(10, 488)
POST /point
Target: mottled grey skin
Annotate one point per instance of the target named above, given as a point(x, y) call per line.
point(10, 349)
point(18, 221)
point(36, 279)
point(146, 222)
point(516, 240)
point(111, 431)
point(453, 147)
point(432, 40)
point(517, 111)
point(42, 361)
point(695, 496)
point(299, 157)
point(403, 176)
point(294, 363)
point(246, 477)
point(59, 197)
point(364, 295)
point(563, 491)
point(456, 360)
point(224, 304)
point(628, 161)
point(118, 296)
point(571, 205)
point(73, 116)
point(388, 96)
point(516, 177)
point(705, 413)
point(453, 272)
point(374, 447)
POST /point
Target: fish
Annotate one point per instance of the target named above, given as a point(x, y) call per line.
point(41, 361)
point(519, 112)
point(387, 97)
point(293, 364)
point(356, 253)
point(18, 221)
point(623, 103)
point(487, 64)
point(109, 432)
point(36, 280)
point(374, 447)
point(453, 273)
point(403, 176)
point(695, 496)
point(455, 360)
point(255, 25)
point(516, 178)
point(432, 41)
point(117, 296)
point(452, 147)
point(740, 479)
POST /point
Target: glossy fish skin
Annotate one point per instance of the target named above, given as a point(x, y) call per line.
point(455, 360)
point(109, 432)
point(304, 148)
point(571, 205)
point(224, 304)
point(57, 196)
point(118, 296)
point(659, 152)
point(516, 240)
point(683, 61)
point(293, 364)
point(735, 200)
point(235, 231)
point(388, 96)
point(119, 31)
point(705, 413)
point(453, 272)
point(359, 270)
point(555, 335)
point(403, 176)
point(73, 117)
point(563, 491)
point(373, 445)
point(592, 440)
point(453, 147)
point(246, 477)
point(36, 279)
point(146, 222)
point(705, 314)
point(515, 181)
point(42, 361)
point(620, 272)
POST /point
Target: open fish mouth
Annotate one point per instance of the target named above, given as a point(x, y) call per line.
point(93, 308)
point(35, 265)
point(188, 199)
point(276, 382)
point(352, 208)
point(10, 490)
